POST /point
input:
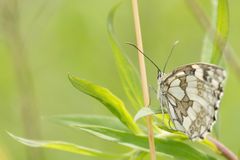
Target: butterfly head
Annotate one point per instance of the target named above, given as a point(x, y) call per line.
point(160, 75)
point(160, 78)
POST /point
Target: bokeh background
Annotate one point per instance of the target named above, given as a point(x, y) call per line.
point(61, 37)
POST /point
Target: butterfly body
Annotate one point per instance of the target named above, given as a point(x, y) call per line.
point(191, 94)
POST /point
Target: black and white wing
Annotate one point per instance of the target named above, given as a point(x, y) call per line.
point(193, 93)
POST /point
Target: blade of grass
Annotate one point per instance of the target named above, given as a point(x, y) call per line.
point(109, 123)
point(103, 95)
point(93, 120)
point(207, 48)
point(128, 74)
point(62, 146)
point(175, 148)
point(222, 30)
point(78, 120)
point(107, 132)
point(217, 31)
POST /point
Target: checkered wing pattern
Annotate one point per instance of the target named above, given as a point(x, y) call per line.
point(192, 94)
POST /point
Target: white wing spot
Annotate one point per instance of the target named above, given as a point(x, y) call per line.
point(191, 113)
point(172, 100)
point(196, 107)
point(203, 129)
point(195, 66)
point(176, 82)
point(180, 74)
point(192, 84)
point(215, 83)
point(192, 90)
point(191, 78)
point(172, 113)
point(186, 122)
point(210, 73)
point(177, 92)
point(199, 99)
point(199, 73)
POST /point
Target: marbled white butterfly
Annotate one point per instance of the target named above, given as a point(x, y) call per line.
point(191, 94)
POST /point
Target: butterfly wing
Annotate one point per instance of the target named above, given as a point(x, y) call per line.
point(193, 94)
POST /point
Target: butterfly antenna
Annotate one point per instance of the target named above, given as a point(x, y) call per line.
point(173, 47)
point(144, 55)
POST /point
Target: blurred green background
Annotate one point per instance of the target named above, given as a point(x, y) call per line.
point(62, 36)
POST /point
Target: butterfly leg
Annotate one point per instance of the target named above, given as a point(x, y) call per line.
point(151, 88)
point(163, 114)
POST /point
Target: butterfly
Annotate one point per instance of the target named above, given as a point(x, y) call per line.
point(191, 94)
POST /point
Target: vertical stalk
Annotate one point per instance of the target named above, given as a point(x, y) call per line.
point(143, 77)
point(29, 113)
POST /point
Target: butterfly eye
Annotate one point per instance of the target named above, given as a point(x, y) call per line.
point(159, 75)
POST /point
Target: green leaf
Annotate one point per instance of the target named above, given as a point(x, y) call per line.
point(174, 148)
point(128, 74)
point(138, 155)
point(215, 41)
point(63, 146)
point(146, 111)
point(103, 95)
point(89, 120)
point(222, 29)
point(166, 146)
point(160, 120)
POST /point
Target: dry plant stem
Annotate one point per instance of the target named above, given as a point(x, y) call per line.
point(205, 23)
point(225, 151)
point(203, 20)
point(29, 113)
point(143, 77)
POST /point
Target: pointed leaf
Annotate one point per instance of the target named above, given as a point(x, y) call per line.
point(103, 95)
point(160, 120)
point(146, 111)
point(177, 149)
point(222, 29)
point(216, 37)
point(128, 74)
point(90, 120)
point(63, 146)
point(171, 147)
